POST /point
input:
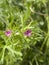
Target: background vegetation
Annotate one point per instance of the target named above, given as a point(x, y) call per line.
point(18, 18)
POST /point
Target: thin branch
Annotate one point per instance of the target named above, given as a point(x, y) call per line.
point(38, 12)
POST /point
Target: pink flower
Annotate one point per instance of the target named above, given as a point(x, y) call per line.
point(8, 33)
point(27, 33)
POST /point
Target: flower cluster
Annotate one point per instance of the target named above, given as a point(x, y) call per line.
point(26, 33)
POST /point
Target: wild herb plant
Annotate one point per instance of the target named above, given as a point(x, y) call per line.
point(24, 32)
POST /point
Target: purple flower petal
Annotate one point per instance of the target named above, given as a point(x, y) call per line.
point(27, 33)
point(8, 33)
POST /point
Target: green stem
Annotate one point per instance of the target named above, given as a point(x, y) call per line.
point(36, 61)
point(46, 38)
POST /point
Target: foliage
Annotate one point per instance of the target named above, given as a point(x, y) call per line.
point(24, 32)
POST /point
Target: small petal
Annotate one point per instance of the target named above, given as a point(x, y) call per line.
point(8, 33)
point(27, 33)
